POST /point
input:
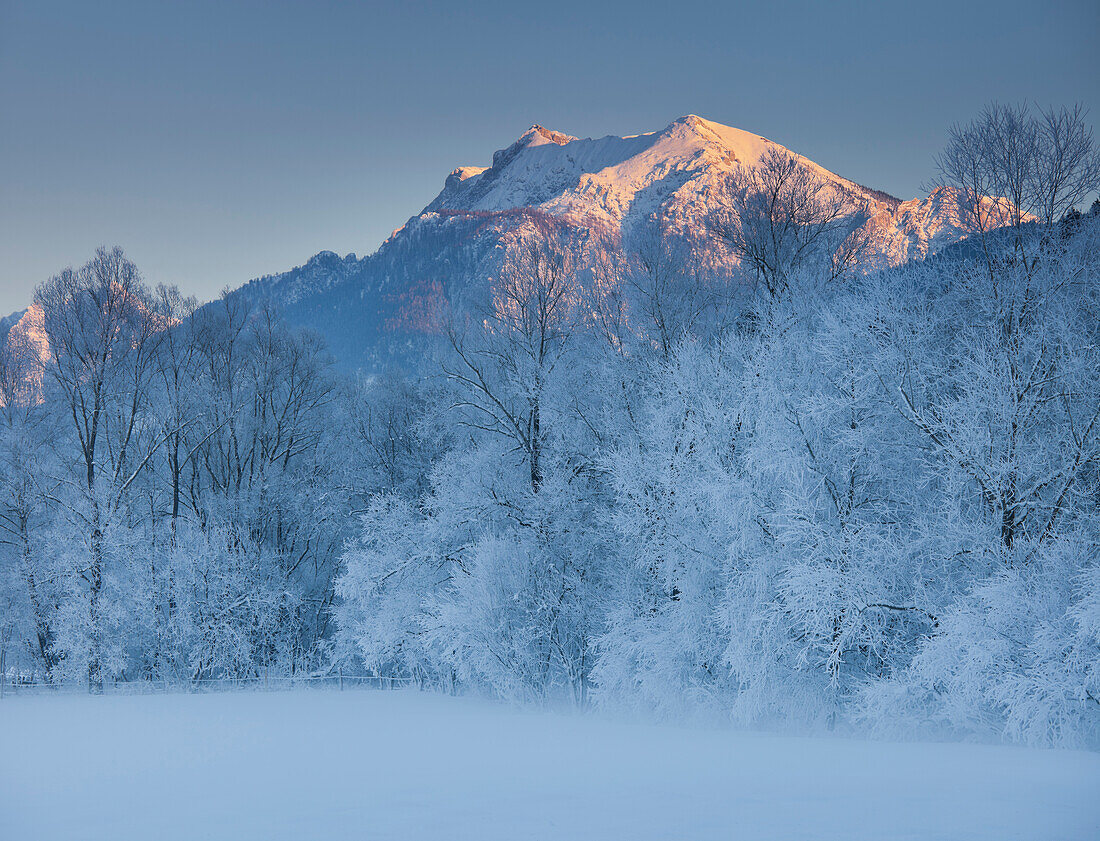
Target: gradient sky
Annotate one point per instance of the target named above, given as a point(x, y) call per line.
point(219, 141)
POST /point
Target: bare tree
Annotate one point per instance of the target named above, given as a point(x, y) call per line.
point(777, 214)
point(175, 365)
point(221, 339)
point(1067, 167)
point(384, 414)
point(264, 396)
point(504, 365)
point(1011, 165)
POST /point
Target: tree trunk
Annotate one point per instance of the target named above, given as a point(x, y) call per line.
point(42, 630)
point(536, 467)
point(95, 580)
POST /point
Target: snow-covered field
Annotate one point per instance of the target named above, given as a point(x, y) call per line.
point(401, 765)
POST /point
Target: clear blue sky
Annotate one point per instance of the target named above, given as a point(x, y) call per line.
point(218, 141)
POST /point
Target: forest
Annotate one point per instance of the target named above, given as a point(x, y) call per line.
point(817, 493)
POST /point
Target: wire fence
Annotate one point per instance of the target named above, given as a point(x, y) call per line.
point(15, 684)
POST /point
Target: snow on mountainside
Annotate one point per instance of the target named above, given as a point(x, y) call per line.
point(622, 181)
point(23, 334)
point(373, 307)
point(29, 329)
point(920, 227)
point(320, 272)
point(617, 180)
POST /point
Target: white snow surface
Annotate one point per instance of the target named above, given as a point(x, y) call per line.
point(403, 765)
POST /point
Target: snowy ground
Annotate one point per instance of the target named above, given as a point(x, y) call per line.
point(399, 765)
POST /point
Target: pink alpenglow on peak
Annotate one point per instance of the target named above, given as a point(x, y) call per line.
point(673, 173)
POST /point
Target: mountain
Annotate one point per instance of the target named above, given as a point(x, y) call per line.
point(23, 334)
point(27, 330)
point(376, 306)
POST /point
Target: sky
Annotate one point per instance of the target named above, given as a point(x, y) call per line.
point(221, 141)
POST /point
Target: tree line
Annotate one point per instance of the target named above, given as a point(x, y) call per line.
point(815, 494)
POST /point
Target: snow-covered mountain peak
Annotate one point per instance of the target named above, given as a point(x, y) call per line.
point(30, 332)
point(532, 138)
point(539, 136)
point(746, 146)
point(617, 181)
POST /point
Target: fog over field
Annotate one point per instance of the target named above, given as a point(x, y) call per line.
point(404, 765)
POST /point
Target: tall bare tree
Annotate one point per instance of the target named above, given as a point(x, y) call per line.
point(175, 367)
point(1011, 165)
point(1067, 167)
point(776, 215)
point(504, 364)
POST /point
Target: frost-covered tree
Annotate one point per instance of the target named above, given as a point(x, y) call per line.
point(27, 590)
point(507, 533)
point(174, 488)
point(392, 573)
point(669, 296)
point(506, 354)
point(678, 492)
point(266, 468)
point(102, 336)
point(999, 377)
